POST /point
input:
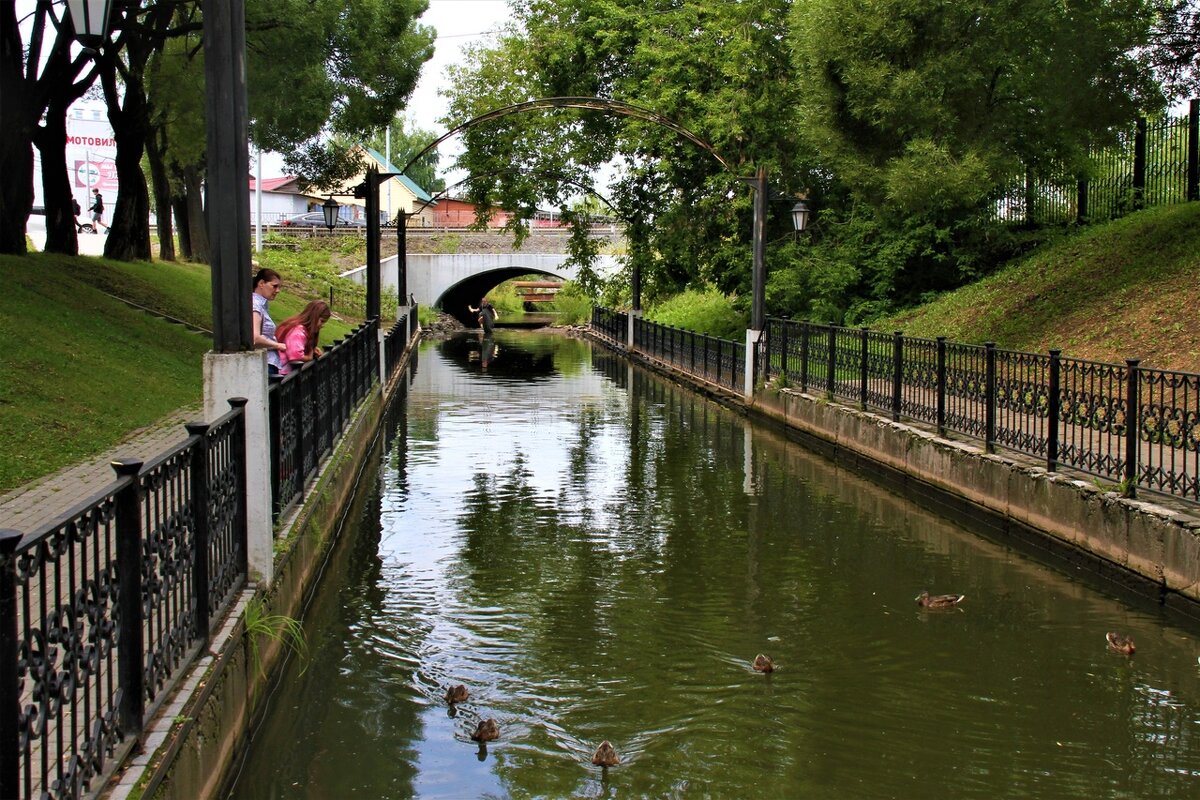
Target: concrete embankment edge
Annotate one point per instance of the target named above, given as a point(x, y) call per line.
point(190, 748)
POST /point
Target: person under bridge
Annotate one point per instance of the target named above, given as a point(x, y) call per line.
point(487, 315)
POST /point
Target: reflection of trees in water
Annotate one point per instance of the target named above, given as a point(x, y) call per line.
point(510, 356)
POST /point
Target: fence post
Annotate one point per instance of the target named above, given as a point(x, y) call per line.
point(130, 642)
point(239, 448)
point(941, 385)
point(201, 526)
point(1193, 169)
point(897, 373)
point(989, 389)
point(784, 364)
point(1139, 164)
point(10, 692)
point(863, 355)
point(1053, 410)
point(1132, 416)
point(1081, 204)
point(829, 378)
point(804, 356)
point(275, 435)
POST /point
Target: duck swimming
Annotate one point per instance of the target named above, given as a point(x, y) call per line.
point(486, 731)
point(606, 755)
point(1120, 643)
point(457, 694)
point(924, 600)
point(763, 663)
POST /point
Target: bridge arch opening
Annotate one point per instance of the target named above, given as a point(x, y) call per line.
point(468, 292)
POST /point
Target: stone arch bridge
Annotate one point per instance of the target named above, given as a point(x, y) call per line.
point(451, 282)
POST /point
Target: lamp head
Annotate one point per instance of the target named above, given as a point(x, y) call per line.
point(90, 20)
point(330, 209)
point(799, 216)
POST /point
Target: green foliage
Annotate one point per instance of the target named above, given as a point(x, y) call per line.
point(572, 304)
point(406, 142)
point(506, 300)
point(280, 628)
point(707, 311)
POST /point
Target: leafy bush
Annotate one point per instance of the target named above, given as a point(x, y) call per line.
point(706, 311)
point(572, 304)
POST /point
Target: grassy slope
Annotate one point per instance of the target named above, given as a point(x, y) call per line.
point(1126, 289)
point(81, 369)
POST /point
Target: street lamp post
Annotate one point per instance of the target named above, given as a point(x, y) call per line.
point(800, 214)
point(90, 19)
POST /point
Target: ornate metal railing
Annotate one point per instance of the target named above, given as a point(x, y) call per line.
point(102, 607)
point(310, 407)
point(395, 342)
point(1136, 426)
point(720, 362)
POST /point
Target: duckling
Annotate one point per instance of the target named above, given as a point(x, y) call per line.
point(1120, 643)
point(457, 694)
point(605, 755)
point(486, 731)
point(939, 600)
point(763, 663)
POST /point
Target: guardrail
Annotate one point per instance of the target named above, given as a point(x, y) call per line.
point(1136, 426)
point(717, 361)
point(102, 609)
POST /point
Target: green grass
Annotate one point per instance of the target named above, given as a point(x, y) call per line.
point(82, 369)
point(1126, 289)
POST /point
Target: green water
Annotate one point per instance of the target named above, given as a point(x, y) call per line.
point(597, 554)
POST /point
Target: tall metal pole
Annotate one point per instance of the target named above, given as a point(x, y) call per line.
point(759, 277)
point(228, 201)
point(401, 258)
point(373, 282)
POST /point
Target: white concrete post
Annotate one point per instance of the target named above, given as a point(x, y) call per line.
point(245, 375)
point(752, 338)
point(631, 317)
point(383, 376)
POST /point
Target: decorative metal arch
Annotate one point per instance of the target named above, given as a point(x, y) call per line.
point(584, 103)
point(540, 173)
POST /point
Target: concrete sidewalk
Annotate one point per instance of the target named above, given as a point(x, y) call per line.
point(39, 502)
point(90, 244)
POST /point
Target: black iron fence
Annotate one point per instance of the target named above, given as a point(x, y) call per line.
point(101, 609)
point(1136, 426)
point(310, 407)
point(720, 362)
point(1153, 163)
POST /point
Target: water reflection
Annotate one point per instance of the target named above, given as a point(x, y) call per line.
point(602, 554)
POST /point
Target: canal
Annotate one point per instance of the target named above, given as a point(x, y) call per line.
point(598, 554)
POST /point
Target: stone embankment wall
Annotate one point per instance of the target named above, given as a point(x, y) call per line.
point(1147, 546)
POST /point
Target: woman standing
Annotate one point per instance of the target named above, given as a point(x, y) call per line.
point(300, 333)
point(266, 287)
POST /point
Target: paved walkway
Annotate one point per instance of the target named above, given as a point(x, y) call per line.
point(45, 499)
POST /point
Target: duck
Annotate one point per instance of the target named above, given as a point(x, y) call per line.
point(763, 663)
point(925, 600)
point(1120, 643)
point(606, 755)
point(486, 731)
point(457, 694)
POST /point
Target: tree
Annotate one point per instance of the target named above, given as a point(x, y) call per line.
point(406, 143)
point(29, 85)
point(720, 70)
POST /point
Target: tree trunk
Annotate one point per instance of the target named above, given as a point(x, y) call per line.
point(179, 206)
point(51, 141)
point(162, 192)
point(129, 233)
point(194, 181)
point(17, 123)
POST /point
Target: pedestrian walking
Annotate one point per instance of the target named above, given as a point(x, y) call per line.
point(97, 209)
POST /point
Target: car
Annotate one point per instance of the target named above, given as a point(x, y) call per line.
point(316, 219)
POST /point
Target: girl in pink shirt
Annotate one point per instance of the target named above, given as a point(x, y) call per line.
point(300, 333)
